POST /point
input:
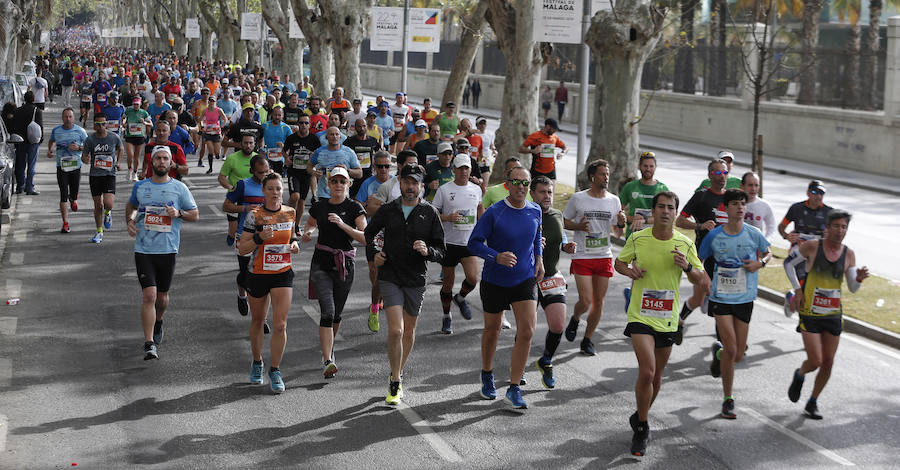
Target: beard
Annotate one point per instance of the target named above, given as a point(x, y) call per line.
point(158, 172)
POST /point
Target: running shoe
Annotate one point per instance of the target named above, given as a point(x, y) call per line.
point(150, 351)
point(546, 367)
point(97, 238)
point(728, 409)
point(679, 335)
point(107, 220)
point(256, 373)
point(209, 171)
point(587, 347)
point(787, 304)
point(395, 393)
point(446, 328)
point(158, 332)
point(65, 228)
point(505, 324)
point(329, 369)
point(229, 240)
point(514, 398)
point(572, 329)
point(715, 367)
point(812, 409)
point(243, 306)
point(464, 309)
point(374, 326)
point(200, 164)
point(634, 421)
point(488, 390)
point(639, 440)
point(277, 381)
point(74, 204)
point(266, 329)
point(626, 292)
point(796, 386)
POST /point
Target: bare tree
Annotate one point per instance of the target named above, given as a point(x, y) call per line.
point(318, 37)
point(277, 14)
point(472, 24)
point(348, 22)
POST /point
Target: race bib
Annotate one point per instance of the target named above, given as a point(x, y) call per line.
point(85, 98)
point(301, 159)
point(473, 153)
point(112, 126)
point(172, 97)
point(595, 243)
point(156, 219)
point(826, 301)
point(68, 163)
point(657, 303)
point(103, 162)
point(101, 98)
point(555, 285)
point(364, 154)
point(645, 213)
point(430, 158)
point(211, 129)
point(548, 151)
point(466, 222)
point(276, 257)
point(731, 280)
point(135, 129)
point(275, 155)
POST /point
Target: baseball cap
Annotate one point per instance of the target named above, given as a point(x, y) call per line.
point(370, 103)
point(339, 171)
point(444, 147)
point(114, 95)
point(552, 123)
point(421, 123)
point(137, 99)
point(726, 154)
point(413, 171)
point(224, 80)
point(480, 119)
point(371, 113)
point(357, 100)
point(450, 103)
point(462, 160)
point(399, 93)
point(816, 185)
point(462, 143)
point(247, 105)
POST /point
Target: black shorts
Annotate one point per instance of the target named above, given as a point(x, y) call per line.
point(551, 175)
point(298, 182)
point(215, 138)
point(545, 105)
point(484, 169)
point(68, 182)
point(155, 270)
point(370, 253)
point(259, 285)
point(742, 312)
point(833, 324)
point(662, 339)
point(86, 105)
point(101, 185)
point(393, 139)
point(454, 254)
point(135, 140)
point(277, 167)
point(547, 300)
point(496, 299)
point(231, 217)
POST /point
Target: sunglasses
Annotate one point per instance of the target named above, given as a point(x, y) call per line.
point(337, 181)
point(305, 123)
point(382, 166)
point(816, 191)
point(518, 182)
point(720, 173)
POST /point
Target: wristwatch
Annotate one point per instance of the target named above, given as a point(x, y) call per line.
point(689, 268)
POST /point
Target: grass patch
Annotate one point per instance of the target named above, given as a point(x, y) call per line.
point(561, 196)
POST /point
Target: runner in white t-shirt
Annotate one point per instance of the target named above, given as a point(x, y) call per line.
point(758, 211)
point(38, 85)
point(594, 214)
point(459, 203)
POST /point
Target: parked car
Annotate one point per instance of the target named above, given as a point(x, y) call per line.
point(7, 167)
point(10, 92)
point(30, 71)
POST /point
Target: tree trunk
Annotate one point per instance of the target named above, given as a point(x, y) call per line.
point(207, 22)
point(684, 59)
point(513, 26)
point(9, 24)
point(851, 71)
point(225, 35)
point(319, 40)
point(810, 41)
point(231, 48)
point(277, 14)
point(348, 22)
point(473, 31)
point(620, 43)
point(869, 72)
point(718, 22)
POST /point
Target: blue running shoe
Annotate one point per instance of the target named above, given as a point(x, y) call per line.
point(107, 221)
point(446, 326)
point(626, 292)
point(277, 381)
point(464, 309)
point(546, 367)
point(97, 238)
point(488, 390)
point(229, 240)
point(256, 371)
point(514, 398)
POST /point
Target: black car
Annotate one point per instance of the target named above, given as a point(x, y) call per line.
point(7, 167)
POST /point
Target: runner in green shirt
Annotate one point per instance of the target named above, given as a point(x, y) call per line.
point(135, 123)
point(637, 195)
point(449, 121)
point(236, 168)
point(733, 182)
point(655, 258)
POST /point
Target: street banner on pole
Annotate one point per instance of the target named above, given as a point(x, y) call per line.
point(250, 26)
point(191, 28)
point(424, 30)
point(558, 21)
point(387, 29)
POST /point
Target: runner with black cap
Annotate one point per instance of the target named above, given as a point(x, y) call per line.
point(809, 219)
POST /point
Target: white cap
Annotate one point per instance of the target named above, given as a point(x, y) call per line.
point(339, 171)
point(161, 149)
point(726, 154)
point(462, 160)
point(224, 80)
point(421, 123)
point(444, 146)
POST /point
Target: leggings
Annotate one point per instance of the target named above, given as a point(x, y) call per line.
point(331, 291)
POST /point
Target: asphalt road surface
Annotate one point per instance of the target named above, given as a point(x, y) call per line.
point(74, 388)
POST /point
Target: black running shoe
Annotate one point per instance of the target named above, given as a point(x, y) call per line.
point(639, 441)
point(715, 367)
point(587, 347)
point(266, 329)
point(728, 409)
point(679, 335)
point(243, 306)
point(634, 421)
point(150, 351)
point(812, 410)
point(158, 332)
point(572, 329)
point(796, 386)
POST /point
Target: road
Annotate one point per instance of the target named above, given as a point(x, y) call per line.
point(75, 389)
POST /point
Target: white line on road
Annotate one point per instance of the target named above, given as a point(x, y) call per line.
point(5, 372)
point(23, 216)
point(17, 258)
point(8, 325)
point(27, 201)
point(215, 210)
point(13, 288)
point(20, 236)
point(188, 182)
point(435, 441)
point(797, 437)
point(311, 312)
point(4, 423)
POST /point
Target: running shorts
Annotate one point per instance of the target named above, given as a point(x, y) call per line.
point(155, 270)
point(496, 299)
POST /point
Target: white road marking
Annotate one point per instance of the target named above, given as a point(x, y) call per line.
point(4, 423)
point(5, 372)
point(8, 325)
point(216, 210)
point(434, 440)
point(188, 182)
point(27, 201)
point(17, 258)
point(312, 313)
point(23, 216)
point(20, 236)
point(13, 288)
point(797, 437)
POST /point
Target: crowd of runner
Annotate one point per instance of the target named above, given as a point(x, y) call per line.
point(271, 132)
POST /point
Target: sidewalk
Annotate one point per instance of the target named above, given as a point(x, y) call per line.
point(828, 174)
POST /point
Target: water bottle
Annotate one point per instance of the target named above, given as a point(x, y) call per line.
point(13, 301)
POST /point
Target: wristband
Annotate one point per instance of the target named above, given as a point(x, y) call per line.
point(764, 262)
point(257, 239)
point(621, 226)
point(689, 268)
point(294, 239)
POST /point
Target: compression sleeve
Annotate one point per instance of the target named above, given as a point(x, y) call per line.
point(852, 283)
point(790, 265)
